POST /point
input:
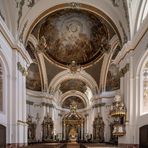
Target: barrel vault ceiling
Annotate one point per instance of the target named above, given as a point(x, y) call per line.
point(74, 36)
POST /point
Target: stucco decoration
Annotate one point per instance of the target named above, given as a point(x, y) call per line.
point(33, 81)
point(72, 35)
point(79, 102)
point(73, 84)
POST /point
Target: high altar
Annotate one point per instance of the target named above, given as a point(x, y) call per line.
point(73, 125)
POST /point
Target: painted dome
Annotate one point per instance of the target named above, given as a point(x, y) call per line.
point(72, 35)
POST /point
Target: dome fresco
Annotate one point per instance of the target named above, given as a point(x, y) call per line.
point(72, 35)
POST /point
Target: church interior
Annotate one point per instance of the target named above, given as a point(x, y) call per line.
point(74, 73)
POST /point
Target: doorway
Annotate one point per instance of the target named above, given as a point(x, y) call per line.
point(2, 136)
point(143, 137)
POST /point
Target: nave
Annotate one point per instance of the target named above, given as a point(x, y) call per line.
point(73, 71)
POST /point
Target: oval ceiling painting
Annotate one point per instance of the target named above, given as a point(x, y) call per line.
point(72, 35)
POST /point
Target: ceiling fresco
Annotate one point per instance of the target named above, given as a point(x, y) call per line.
point(73, 84)
point(66, 36)
point(113, 78)
point(33, 81)
point(67, 102)
point(72, 35)
point(30, 48)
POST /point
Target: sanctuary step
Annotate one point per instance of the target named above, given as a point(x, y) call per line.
point(47, 145)
point(100, 145)
point(70, 145)
point(73, 145)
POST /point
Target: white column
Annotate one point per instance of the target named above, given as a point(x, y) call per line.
point(14, 111)
point(127, 95)
point(18, 110)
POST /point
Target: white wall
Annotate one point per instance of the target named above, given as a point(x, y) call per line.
point(136, 52)
point(14, 114)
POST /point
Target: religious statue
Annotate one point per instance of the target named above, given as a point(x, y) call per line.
point(47, 127)
point(31, 129)
point(73, 135)
point(98, 129)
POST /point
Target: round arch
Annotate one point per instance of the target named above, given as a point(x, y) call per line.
point(141, 118)
point(139, 82)
point(79, 94)
point(66, 75)
point(35, 16)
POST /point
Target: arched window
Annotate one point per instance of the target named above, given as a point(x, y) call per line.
point(145, 89)
point(1, 89)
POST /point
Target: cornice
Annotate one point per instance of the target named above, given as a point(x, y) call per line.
point(38, 94)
